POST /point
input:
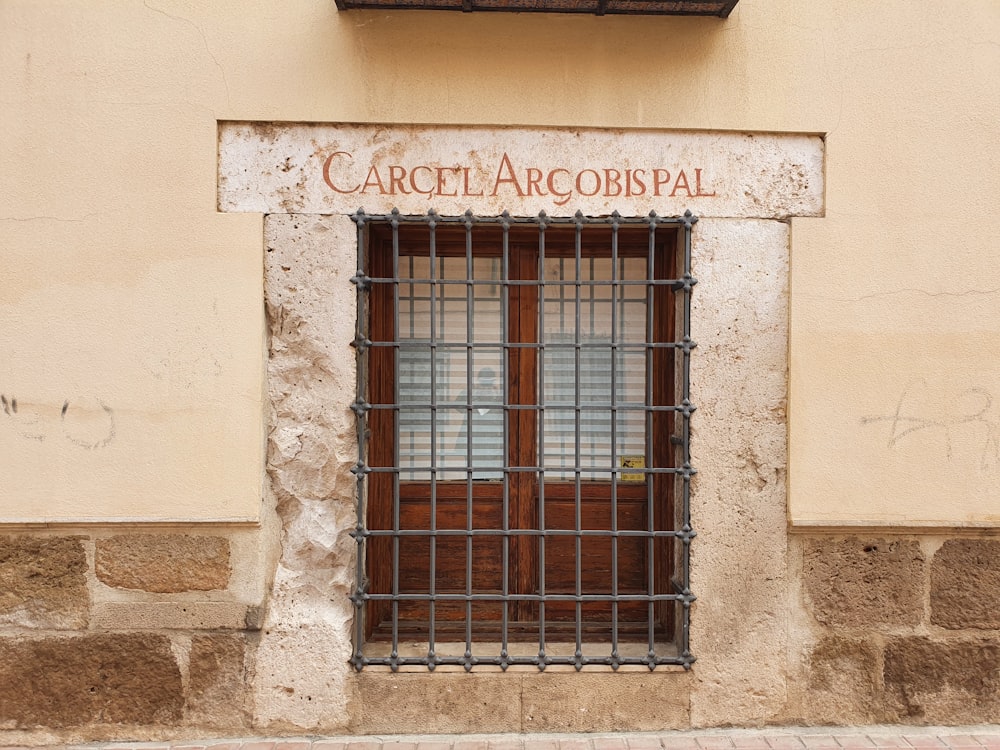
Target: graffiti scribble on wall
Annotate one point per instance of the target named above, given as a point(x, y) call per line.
point(86, 423)
point(962, 418)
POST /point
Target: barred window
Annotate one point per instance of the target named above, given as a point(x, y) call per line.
point(523, 425)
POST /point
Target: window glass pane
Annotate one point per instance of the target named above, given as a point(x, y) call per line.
point(578, 362)
point(439, 313)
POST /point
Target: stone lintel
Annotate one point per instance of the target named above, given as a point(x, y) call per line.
point(337, 168)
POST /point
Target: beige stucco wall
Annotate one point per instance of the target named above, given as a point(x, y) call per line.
point(135, 341)
point(124, 293)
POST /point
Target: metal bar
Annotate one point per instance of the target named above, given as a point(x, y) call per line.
point(395, 443)
point(534, 469)
point(532, 282)
point(614, 440)
point(513, 221)
point(684, 637)
point(504, 662)
point(469, 329)
point(586, 533)
point(432, 249)
point(455, 345)
point(577, 510)
point(650, 497)
point(505, 336)
point(361, 424)
point(409, 597)
point(541, 438)
point(596, 406)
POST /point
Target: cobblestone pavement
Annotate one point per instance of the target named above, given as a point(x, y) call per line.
point(783, 738)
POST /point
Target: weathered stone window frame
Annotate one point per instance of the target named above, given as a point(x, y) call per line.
point(740, 564)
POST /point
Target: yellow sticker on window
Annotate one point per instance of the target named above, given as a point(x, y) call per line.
point(633, 462)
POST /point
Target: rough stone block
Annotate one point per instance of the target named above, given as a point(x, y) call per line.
point(965, 584)
point(91, 679)
point(217, 682)
point(442, 703)
point(301, 677)
point(942, 682)
point(164, 563)
point(860, 582)
point(605, 701)
point(42, 582)
point(843, 682)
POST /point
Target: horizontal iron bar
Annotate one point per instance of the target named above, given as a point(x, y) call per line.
point(479, 346)
point(469, 219)
point(425, 469)
point(600, 533)
point(679, 594)
point(426, 280)
point(534, 661)
point(551, 407)
point(548, 598)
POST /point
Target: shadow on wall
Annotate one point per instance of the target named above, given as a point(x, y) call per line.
point(506, 58)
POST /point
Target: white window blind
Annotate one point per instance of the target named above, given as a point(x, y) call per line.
point(592, 368)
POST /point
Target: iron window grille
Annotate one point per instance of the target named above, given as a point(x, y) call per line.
point(523, 418)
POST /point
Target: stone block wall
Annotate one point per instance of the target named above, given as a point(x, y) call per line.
point(151, 635)
point(134, 634)
point(907, 629)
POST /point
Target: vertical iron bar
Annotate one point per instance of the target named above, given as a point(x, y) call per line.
point(684, 640)
point(578, 523)
point(505, 345)
point(470, 298)
point(432, 277)
point(361, 421)
point(650, 498)
point(540, 400)
point(394, 654)
point(615, 462)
